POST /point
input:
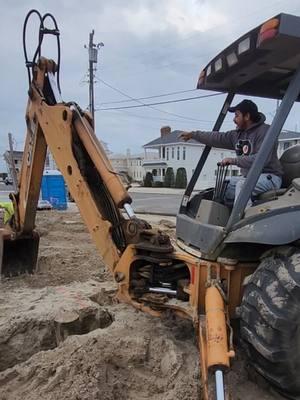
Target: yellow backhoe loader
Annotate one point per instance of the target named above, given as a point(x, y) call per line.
point(202, 277)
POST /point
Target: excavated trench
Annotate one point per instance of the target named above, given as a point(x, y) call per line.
point(28, 336)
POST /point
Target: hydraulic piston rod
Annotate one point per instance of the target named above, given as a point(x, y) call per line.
point(219, 385)
point(218, 354)
point(129, 210)
point(163, 290)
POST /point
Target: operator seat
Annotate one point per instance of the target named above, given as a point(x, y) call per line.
point(290, 162)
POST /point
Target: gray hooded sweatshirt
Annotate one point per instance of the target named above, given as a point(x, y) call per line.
point(246, 144)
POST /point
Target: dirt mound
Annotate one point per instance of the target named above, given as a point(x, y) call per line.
point(39, 319)
point(64, 336)
point(136, 357)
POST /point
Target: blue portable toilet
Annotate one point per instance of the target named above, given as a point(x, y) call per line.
point(54, 189)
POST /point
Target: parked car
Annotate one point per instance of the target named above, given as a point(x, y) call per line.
point(8, 181)
point(44, 205)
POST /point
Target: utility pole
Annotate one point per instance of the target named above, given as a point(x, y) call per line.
point(12, 168)
point(93, 59)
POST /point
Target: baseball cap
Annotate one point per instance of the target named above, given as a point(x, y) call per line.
point(245, 106)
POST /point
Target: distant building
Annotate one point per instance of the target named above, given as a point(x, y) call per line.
point(135, 166)
point(50, 163)
point(132, 165)
point(16, 160)
point(286, 140)
point(119, 163)
point(175, 153)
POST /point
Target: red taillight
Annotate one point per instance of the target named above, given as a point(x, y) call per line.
point(271, 24)
point(201, 79)
point(268, 30)
point(266, 35)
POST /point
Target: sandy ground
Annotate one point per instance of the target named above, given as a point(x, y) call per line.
point(64, 336)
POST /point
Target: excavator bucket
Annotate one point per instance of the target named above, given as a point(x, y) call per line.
point(18, 255)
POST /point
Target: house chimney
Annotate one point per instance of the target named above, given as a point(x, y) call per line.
point(165, 130)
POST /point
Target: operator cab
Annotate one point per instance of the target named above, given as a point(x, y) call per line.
point(265, 62)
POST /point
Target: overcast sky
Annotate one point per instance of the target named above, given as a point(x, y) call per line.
point(151, 47)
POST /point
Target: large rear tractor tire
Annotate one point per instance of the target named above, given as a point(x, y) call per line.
point(270, 320)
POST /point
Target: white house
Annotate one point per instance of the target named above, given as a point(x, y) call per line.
point(135, 167)
point(175, 153)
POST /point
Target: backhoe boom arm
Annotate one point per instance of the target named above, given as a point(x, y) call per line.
point(79, 155)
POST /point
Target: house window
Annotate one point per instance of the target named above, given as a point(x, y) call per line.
point(173, 152)
point(178, 153)
point(183, 153)
point(167, 153)
point(163, 152)
point(164, 172)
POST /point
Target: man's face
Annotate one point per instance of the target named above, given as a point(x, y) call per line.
point(240, 120)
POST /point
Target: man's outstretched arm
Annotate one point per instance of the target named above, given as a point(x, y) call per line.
point(223, 140)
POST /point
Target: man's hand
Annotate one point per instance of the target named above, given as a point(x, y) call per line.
point(227, 161)
point(185, 136)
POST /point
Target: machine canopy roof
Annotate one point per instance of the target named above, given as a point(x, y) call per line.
point(260, 63)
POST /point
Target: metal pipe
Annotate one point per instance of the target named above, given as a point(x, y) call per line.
point(219, 385)
point(129, 210)
point(163, 290)
point(215, 196)
point(220, 181)
point(224, 185)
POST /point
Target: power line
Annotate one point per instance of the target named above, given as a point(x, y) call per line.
point(150, 97)
point(147, 105)
point(161, 102)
